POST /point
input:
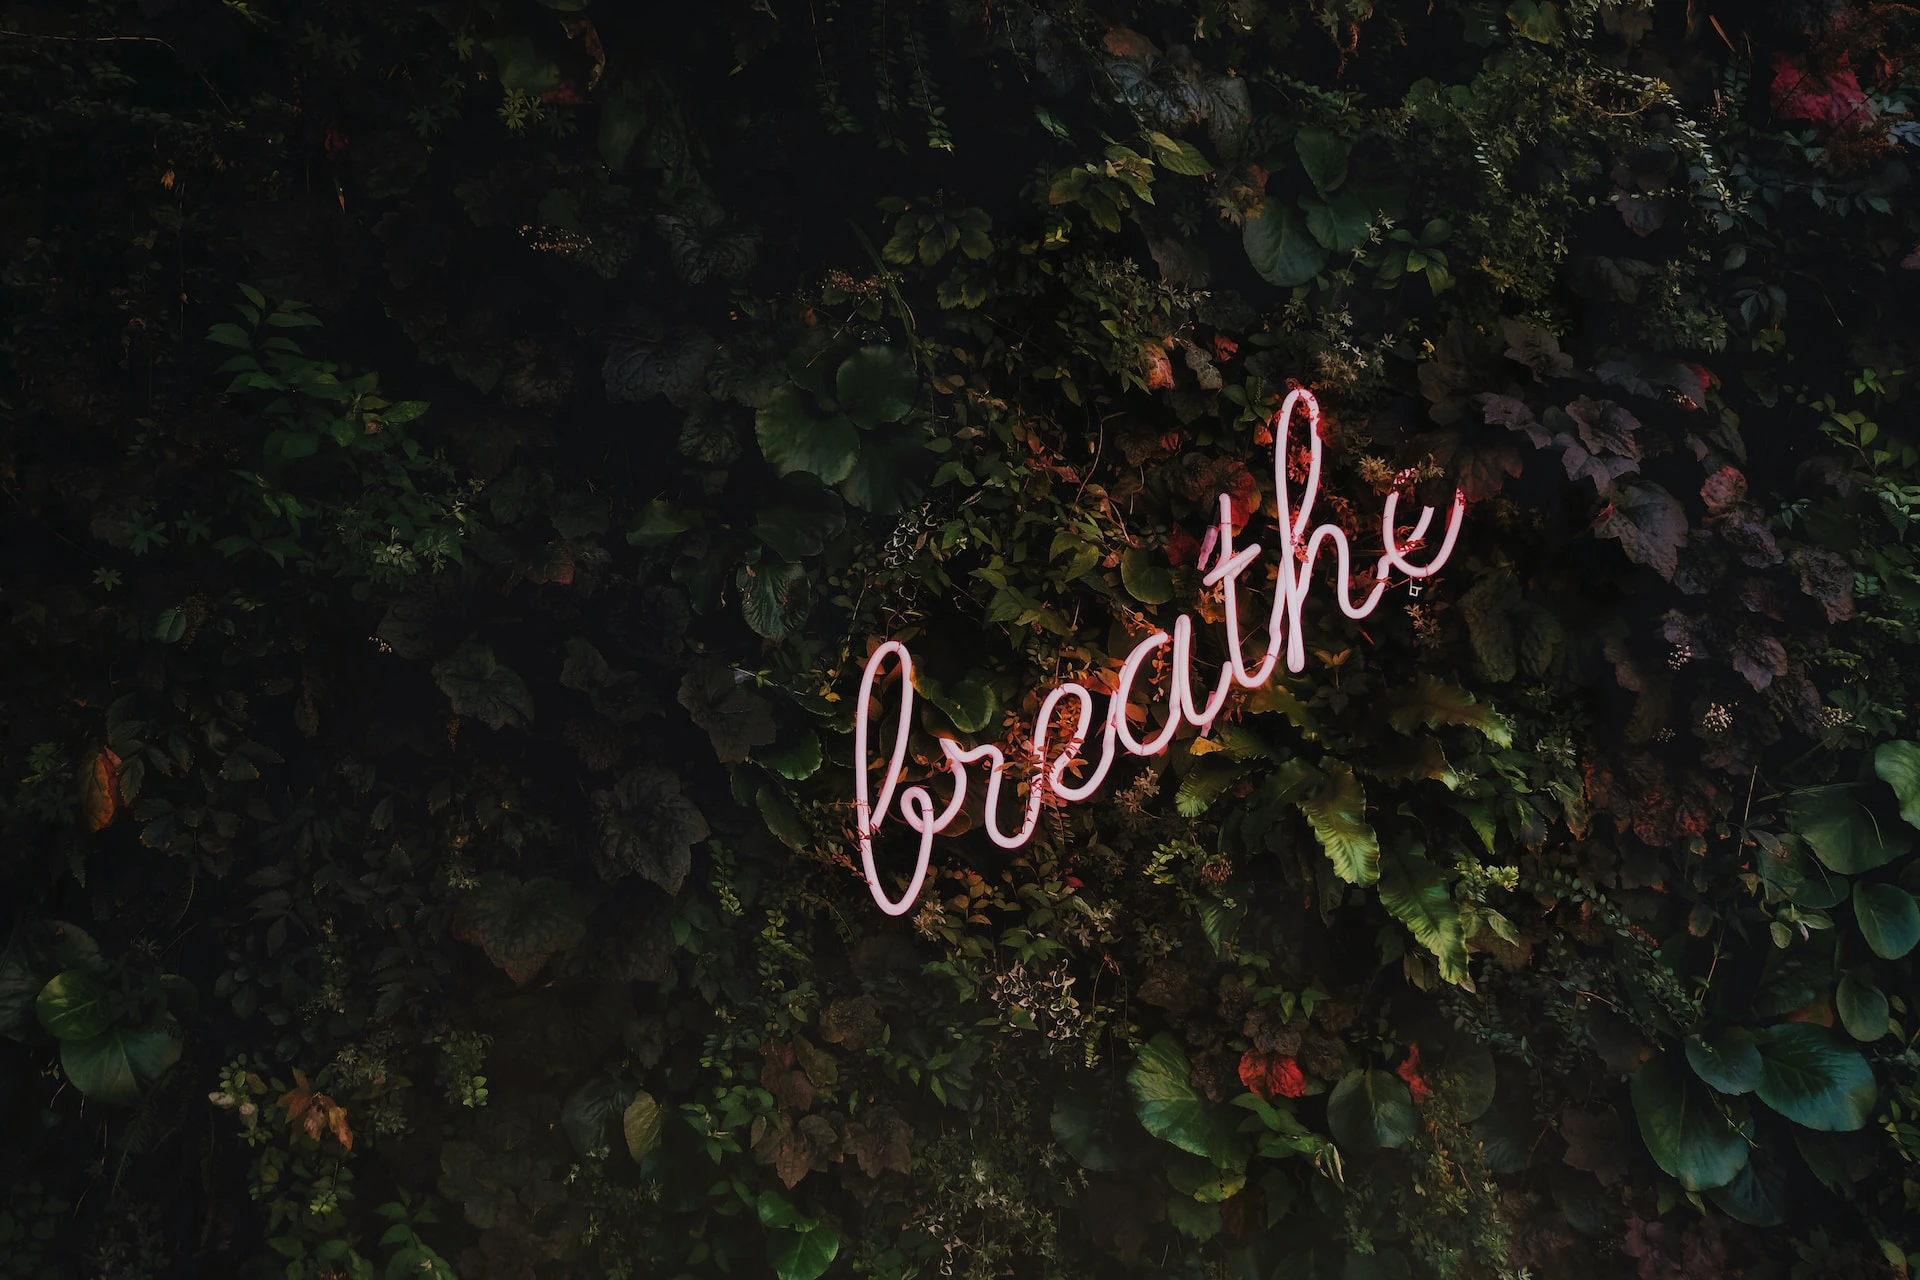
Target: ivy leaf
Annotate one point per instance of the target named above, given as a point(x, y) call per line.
point(1842, 832)
point(1684, 1130)
point(1862, 1005)
point(480, 686)
point(111, 1067)
point(773, 599)
point(876, 384)
point(1814, 1080)
point(1730, 1061)
point(647, 827)
point(1898, 765)
point(73, 1006)
point(735, 719)
point(1323, 154)
point(1146, 576)
point(1338, 815)
point(1173, 1111)
point(520, 924)
point(1371, 1110)
point(1415, 892)
point(793, 439)
point(641, 1124)
point(1280, 248)
point(1649, 522)
point(1889, 919)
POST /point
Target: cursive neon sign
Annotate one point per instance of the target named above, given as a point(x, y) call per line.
point(1285, 636)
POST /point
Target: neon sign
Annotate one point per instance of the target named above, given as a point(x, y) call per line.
point(1285, 636)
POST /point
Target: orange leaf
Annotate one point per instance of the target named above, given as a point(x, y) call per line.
point(100, 789)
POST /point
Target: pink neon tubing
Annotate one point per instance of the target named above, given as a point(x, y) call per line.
point(1285, 637)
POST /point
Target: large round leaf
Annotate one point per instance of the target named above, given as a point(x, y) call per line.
point(73, 1006)
point(1685, 1129)
point(1843, 833)
point(111, 1066)
point(1084, 1128)
point(891, 470)
point(1898, 765)
point(876, 384)
point(1171, 1109)
point(794, 439)
point(1280, 247)
point(1813, 1079)
point(1757, 1195)
point(1728, 1060)
point(1862, 1005)
point(1369, 1110)
point(1889, 919)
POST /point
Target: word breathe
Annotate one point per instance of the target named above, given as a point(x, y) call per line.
point(1285, 635)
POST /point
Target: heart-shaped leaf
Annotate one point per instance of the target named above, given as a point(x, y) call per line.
point(1842, 832)
point(1280, 247)
point(1862, 1005)
point(792, 438)
point(479, 685)
point(1369, 1110)
point(112, 1066)
point(73, 1006)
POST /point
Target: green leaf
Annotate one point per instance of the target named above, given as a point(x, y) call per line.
point(1813, 1079)
point(1085, 1129)
point(1280, 247)
point(1324, 154)
point(736, 719)
point(1172, 1110)
point(798, 760)
point(1415, 891)
point(1337, 812)
point(1432, 703)
point(520, 924)
point(111, 1066)
point(231, 335)
point(803, 522)
point(646, 826)
point(1684, 1129)
point(523, 67)
point(971, 703)
point(1341, 222)
point(891, 471)
point(1888, 917)
point(73, 1006)
point(1208, 777)
point(1898, 765)
point(1758, 1194)
point(876, 384)
point(1729, 1061)
point(1843, 833)
point(773, 599)
point(482, 687)
point(793, 439)
point(1371, 1110)
point(592, 1113)
point(1862, 1005)
point(1179, 157)
point(641, 1123)
point(1146, 576)
point(656, 524)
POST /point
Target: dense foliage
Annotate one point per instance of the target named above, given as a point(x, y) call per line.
point(458, 458)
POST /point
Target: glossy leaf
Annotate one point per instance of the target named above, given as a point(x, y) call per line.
point(1369, 1110)
point(1813, 1079)
point(1888, 917)
point(1685, 1128)
point(1172, 1110)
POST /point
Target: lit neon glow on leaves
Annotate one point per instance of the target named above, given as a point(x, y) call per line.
point(917, 808)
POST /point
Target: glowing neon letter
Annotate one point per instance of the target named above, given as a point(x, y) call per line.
point(1286, 637)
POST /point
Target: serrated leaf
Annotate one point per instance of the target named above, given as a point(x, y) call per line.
point(520, 924)
point(1337, 812)
point(646, 827)
point(1649, 523)
point(736, 719)
point(480, 686)
point(1414, 891)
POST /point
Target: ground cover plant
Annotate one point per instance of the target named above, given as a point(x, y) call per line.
point(458, 458)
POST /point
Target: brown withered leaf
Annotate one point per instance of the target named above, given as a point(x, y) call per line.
point(853, 1024)
point(881, 1141)
point(780, 1077)
point(795, 1150)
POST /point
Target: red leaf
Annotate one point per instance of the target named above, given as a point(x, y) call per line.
point(1833, 99)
